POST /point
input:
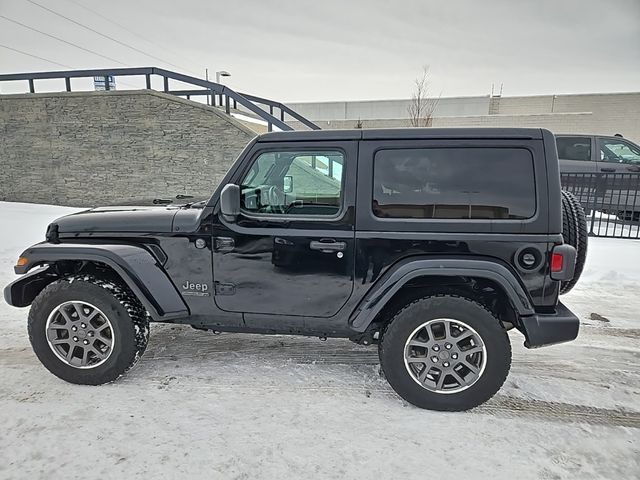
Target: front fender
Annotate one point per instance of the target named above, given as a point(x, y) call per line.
point(136, 266)
point(410, 268)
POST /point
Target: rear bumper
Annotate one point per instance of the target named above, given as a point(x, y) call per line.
point(548, 329)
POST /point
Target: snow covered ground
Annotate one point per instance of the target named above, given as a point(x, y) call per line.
point(244, 406)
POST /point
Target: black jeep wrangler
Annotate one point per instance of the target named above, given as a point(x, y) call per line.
point(430, 243)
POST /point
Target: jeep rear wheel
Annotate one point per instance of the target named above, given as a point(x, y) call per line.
point(86, 330)
point(445, 352)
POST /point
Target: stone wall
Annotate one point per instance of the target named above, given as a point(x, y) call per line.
point(104, 148)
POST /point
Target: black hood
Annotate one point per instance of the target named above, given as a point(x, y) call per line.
point(157, 219)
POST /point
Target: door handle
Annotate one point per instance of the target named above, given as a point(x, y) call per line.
point(608, 170)
point(329, 246)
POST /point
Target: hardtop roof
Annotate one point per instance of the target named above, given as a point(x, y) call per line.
point(402, 134)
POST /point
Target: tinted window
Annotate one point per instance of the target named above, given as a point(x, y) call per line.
point(294, 183)
point(619, 151)
point(574, 148)
point(454, 183)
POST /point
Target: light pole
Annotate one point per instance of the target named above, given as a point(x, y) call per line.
point(221, 73)
point(206, 76)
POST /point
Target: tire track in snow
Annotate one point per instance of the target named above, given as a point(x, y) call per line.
point(555, 411)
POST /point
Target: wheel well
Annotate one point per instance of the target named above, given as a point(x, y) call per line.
point(65, 268)
point(485, 291)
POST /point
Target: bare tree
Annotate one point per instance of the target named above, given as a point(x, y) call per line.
point(421, 107)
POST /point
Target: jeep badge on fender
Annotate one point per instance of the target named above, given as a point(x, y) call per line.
point(195, 289)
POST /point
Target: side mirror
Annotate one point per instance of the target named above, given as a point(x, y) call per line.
point(230, 202)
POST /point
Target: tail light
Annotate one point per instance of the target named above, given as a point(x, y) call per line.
point(562, 263)
point(557, 262)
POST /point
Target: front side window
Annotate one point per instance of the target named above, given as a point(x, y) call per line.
point(619, 151)
point(454, 183)
point(294, 183)
point(574, 148)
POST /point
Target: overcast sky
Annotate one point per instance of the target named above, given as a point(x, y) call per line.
point(298, 50)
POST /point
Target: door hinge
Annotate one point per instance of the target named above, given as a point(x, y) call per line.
point(225, 288)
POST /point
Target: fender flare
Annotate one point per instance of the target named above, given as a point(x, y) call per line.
point(137, 267)
point(410, 268)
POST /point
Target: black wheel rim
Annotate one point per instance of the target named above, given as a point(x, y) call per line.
point(80, 334)
point(445, 355)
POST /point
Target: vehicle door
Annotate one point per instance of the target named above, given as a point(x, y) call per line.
point(619, 163)
point(578, 166)
point(290, 251)
point(575, 154)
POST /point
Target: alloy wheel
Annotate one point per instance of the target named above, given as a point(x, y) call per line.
point(445, 355)
point(80, 334)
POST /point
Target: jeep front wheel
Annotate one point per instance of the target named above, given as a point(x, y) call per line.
point(86, 330)
point(445, 352)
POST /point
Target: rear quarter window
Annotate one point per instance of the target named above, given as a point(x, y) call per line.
point(454, 183)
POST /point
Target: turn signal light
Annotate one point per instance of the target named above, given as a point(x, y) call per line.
point(22, 261)
point(556, 262)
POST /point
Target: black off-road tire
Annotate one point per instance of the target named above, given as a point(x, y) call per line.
point(126, 314)
point(574, 233)
point(445, 306)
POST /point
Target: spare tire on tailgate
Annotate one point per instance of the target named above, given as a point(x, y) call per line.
point(575, 233)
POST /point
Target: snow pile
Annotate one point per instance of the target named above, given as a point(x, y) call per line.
point(24, 224)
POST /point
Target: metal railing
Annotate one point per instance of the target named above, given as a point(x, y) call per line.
point(221, 95)
point(610, 200)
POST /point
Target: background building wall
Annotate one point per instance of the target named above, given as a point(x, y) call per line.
point(606, 113)
point(388, 109)
point(101, 148)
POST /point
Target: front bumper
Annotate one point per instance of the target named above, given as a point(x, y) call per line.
point(21, 292)
point(550, 328)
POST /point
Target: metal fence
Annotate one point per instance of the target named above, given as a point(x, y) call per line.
point(222, 96)
point(610, 200)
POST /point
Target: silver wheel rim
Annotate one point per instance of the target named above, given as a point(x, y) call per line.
point(445, 355)
point(80, 334)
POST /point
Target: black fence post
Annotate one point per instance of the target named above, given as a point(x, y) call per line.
point(166, 84)
point(32, 88)
point(226, 105)
point(67, 83)
point(148, 81)
point(593, 205)
point(106, 83)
